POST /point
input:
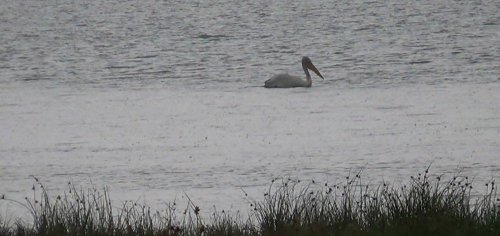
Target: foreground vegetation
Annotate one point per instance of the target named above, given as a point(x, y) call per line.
point(425, 206)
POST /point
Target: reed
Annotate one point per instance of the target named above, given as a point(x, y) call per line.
point(424, 206)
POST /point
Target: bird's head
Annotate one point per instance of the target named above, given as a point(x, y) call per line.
point(309, 65)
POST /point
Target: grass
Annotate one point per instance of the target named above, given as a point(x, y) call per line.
point(424, 206)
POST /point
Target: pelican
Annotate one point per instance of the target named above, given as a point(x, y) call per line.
point(290, 81)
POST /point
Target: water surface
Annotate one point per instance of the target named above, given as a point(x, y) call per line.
point(155, 99)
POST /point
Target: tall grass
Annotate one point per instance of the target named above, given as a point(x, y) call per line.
point(424, 206)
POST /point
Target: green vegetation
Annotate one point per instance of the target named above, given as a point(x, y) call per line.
point(425, 206)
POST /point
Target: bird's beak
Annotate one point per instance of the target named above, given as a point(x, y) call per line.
point(313, 68)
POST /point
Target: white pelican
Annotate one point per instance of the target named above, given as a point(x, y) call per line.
point(290, 81)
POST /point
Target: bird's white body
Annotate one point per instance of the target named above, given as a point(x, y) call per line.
point(291, 81)
point(287, 81)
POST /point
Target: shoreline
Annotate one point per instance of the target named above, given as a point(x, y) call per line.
point(426, 204)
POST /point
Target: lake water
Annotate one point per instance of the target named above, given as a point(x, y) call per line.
point(161, 99)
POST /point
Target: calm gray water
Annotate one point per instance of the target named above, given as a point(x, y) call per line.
point(157, 99)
